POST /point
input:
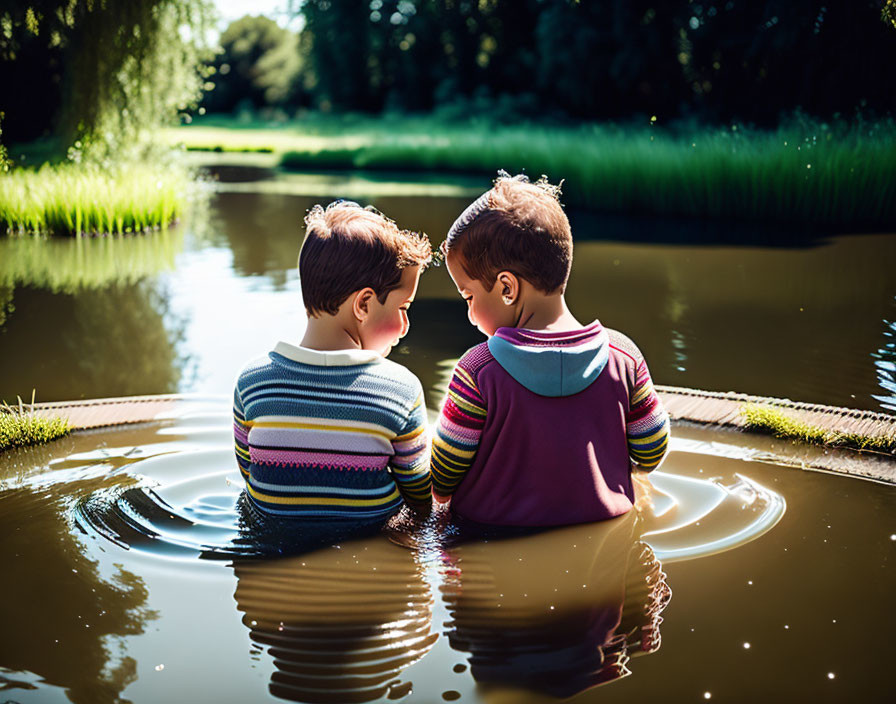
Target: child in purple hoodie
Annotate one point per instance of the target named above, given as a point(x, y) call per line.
point(544, 422)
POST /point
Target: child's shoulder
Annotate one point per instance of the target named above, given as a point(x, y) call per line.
point(475, 359)
point(255, 368)
point(622, 344)
point(397, 374)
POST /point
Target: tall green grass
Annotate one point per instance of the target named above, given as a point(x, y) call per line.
point(818, 175)
point(805, 171)
point(74, 199)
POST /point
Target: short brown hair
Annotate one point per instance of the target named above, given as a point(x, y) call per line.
point(348, 248)
point(517, 226)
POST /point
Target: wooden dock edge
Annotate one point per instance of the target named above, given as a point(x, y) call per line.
point(692, 407)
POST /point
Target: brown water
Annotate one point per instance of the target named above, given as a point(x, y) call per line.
point(128, 576)
point(809, 316)
point(132, 571)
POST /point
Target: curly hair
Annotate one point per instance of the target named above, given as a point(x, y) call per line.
point(348, 248)
point(517, 226)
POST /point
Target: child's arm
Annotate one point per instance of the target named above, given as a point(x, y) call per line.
point(457, 433)
point(240, 434)
point(646, 423)
point(410, 463)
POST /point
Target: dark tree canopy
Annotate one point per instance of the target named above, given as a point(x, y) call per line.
point(706, 59)
point(98, 71)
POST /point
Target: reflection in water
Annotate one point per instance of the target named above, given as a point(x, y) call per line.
point(676, 310)
point(885, 363)
point(68, 265)
point(341, 623)
point(62, 620)
point(118, 340)
point(556, 612)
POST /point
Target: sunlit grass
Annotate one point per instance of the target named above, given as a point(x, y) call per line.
point(75, 199)
point(805, 171)
point(780, 424)
point(20, 426)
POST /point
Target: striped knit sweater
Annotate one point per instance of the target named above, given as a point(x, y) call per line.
point(543, 428)
point(331, 435)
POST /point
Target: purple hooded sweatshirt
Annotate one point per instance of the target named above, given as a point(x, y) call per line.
point(542, 428)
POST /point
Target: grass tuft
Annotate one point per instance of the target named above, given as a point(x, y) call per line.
point(74, 199)
point(19, 426)
point(774, 420)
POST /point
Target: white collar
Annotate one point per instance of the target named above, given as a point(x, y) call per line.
point(329, 358)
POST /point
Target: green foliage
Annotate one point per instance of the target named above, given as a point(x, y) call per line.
point(125, 67)
point(602, 59)
point(888, 12)
point(20, 426)
point(83, 199)
point(774, 420)
point(805, 171)
point(260, 64)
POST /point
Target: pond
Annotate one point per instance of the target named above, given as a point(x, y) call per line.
point(718, 306)
point(133, 571)
point(130, 576)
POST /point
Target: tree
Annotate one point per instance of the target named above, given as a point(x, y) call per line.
point(100, 72)
point(259, 62)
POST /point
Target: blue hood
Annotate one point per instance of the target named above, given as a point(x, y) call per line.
point(551, 363)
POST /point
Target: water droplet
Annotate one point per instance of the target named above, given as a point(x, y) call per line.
point(707, 695)
point(830, 675)
point(159, 668)
point(746, 646)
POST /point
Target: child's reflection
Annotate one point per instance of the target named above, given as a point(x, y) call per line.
point(556, 612)
point(341, 623)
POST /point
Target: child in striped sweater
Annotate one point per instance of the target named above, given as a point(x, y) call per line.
point(543, 423)
point(330, 430)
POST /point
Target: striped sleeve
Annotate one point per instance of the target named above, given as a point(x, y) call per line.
point(646, 423)
point(410, 461)
point(240, 434)
point(457, 432)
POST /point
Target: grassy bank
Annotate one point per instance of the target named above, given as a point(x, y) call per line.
point(780, 424)
point(71, 199)
point(805, 171)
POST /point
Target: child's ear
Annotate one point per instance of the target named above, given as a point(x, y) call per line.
point(361, 303)
point(510, 287)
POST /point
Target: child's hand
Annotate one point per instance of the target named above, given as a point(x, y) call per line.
point(643, 491)
point(441, 500)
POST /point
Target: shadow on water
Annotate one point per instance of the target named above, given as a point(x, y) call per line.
point(650, 229)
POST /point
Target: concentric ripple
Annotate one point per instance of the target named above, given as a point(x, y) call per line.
point(186, 503)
